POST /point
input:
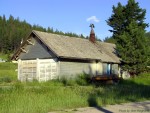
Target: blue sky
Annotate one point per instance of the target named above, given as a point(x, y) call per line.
point(67, 15)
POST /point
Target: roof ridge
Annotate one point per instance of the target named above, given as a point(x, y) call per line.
point(64, 36)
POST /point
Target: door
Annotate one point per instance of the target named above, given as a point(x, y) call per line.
point(47, 70)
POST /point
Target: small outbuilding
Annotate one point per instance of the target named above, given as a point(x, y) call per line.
point(45, 56)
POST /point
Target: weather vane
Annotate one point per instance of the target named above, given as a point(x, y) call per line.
point(92, 26)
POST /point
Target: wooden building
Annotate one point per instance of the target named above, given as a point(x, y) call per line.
point(45, 56)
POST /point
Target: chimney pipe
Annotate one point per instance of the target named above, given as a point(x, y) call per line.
point(92, 34)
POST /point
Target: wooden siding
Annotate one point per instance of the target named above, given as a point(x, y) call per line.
point(38, 50)
point(39, 69)
point(104, 68)
point(72, 69)
point(47, 69)
point(115, 69)
point(27, 70)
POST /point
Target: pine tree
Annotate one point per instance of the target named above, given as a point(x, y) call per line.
point(147, 35)
point(110, 40)
point(12, 31)
point(128, 31)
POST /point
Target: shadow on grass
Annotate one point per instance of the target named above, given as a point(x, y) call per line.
point(125, 91)
point(92, 101)
point(133, 91)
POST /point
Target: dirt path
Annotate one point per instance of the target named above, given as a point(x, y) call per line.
point(136, 107)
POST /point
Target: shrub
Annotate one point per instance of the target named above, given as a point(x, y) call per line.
point(64, 80)
point(82, 79)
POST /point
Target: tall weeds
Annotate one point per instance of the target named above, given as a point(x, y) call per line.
point(35, 97)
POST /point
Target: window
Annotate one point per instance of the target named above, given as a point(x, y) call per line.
point(109, 69)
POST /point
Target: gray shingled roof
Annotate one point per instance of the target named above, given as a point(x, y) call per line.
point(78, 48)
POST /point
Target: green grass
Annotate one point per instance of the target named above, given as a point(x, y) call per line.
point(42, 98)
point(7, 71)
point(142, 79)
point(3, 56)
point(35, 97)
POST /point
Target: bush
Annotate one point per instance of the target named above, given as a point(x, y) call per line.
point(64, 81)
point(82, 79)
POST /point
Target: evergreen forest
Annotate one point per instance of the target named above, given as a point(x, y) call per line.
point(13, 31)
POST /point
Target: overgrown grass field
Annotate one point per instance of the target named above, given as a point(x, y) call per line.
point(8, 72)
point(34, 97)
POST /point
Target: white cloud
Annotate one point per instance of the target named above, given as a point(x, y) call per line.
point(93, 19)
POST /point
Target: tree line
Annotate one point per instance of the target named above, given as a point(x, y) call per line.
point(12, 31)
